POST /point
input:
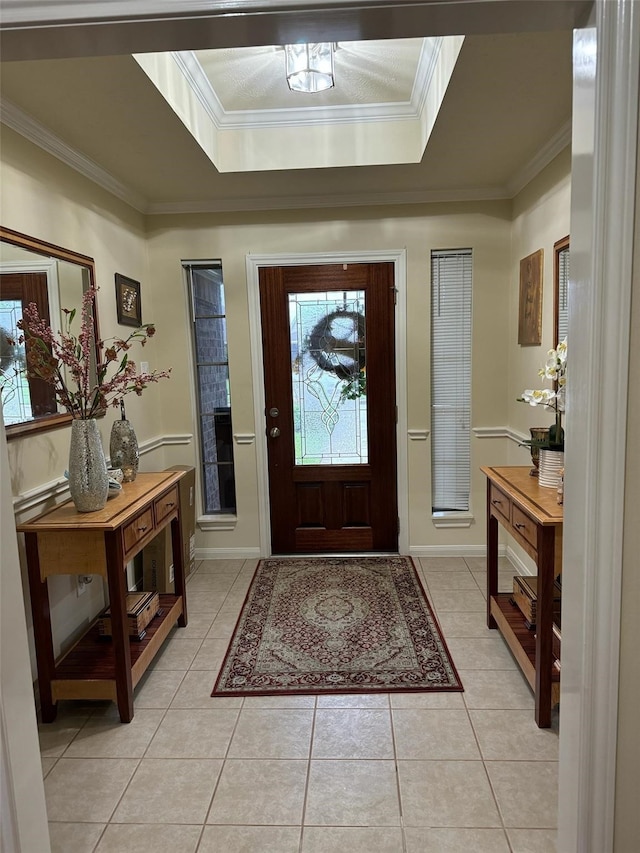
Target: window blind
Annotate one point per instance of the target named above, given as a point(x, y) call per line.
point(451, 274)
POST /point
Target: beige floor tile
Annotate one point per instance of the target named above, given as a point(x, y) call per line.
point(279, 702)
point(479, 564)
point(221, 567)
point(505, 689)
point(104, 736)
point(55, 737)
point(169, 791)
point(210, 655)
point(352, 733)
point(450, 580)
point(464, 624)
point(421, 840)
point(176, 654)
point(458, 600)
point(86, 789)
point(156, 689)
point(194, 733)
point(74, 837)
point(532, 840)
point(446, 794)
point(272, 733)
point(434, 734)
point(352, 793)
point(526, 792)
point(480, 653)
point(143, 838)
point(223, 625)
point(442, 564)
point(250, 839)
point(208, 603)
point(435, 700)
point(355, 700)
point(259, 791)
point(513, 735)
point(47, 765)
point(195, 692)
point(355, 839)
point(196, 628)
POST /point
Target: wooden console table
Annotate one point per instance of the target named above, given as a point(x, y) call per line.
point(534, 518)
point(63, 541)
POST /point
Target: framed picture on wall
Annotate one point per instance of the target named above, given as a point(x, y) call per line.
point(128, 301)
point(530, 308)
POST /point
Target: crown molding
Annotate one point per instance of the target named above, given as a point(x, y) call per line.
point(21, 122)
point(545, 155)
point(190, 67)
point(232, 205)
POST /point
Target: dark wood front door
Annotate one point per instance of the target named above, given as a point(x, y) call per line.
point(328, 335)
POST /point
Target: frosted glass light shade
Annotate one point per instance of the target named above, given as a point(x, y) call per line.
point(309, 67)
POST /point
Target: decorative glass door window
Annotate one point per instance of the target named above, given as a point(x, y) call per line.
point(328, 377)
point(14, 387)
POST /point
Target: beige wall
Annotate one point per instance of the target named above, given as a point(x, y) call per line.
point(484, 227)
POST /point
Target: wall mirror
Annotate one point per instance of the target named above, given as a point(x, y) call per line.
point(560, 289)
point(54, 278)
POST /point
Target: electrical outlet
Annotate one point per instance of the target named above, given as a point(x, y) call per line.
point(144, 367)
point(82, 586)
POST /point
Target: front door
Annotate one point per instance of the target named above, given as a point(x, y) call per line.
point(328, 336)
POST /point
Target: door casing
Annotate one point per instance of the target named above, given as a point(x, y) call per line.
point(253, 264)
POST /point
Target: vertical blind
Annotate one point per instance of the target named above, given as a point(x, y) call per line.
point(451, 379)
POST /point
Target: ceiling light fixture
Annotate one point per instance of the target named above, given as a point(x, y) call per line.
point(309, 67)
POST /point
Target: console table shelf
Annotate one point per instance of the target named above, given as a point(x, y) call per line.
point(63, 541)
point(532, 515)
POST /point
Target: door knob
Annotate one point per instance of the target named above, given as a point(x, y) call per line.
point(274, 432)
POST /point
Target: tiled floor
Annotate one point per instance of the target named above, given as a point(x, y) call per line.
point(388, 773)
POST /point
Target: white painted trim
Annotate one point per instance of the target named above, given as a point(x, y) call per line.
point(458, 519)
point(500, 432)
point(604, 174)
point(453, 551)
point(253, 264)
point(244, 437)
point(217, 523)
point(228, 553)
point(517, 562)
point(418, 434)
point(15, 118)
point(541, 160)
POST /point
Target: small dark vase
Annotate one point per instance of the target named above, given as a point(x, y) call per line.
point(539, 438)
point(123, 448)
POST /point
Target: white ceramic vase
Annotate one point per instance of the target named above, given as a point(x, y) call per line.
point(550, 465)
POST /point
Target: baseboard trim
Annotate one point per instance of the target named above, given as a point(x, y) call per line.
point(452, 551)
point(228, 554)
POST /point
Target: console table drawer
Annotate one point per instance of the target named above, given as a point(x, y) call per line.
point(524, 525)
point(165, 505)
point(137, 529)
point(501, 502)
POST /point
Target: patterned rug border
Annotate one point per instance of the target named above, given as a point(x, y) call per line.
point(352, 690)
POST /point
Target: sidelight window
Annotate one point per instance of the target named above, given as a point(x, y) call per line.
point(209, 338)
point(451, 380)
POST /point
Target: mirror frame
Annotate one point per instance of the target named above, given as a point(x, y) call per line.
point(558, 247)
point(40, 247)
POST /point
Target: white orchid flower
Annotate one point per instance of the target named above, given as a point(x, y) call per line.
point(541, 397)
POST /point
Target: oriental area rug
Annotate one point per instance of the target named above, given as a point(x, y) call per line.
point(336, 625)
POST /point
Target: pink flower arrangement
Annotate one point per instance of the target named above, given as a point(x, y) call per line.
point(64, 361)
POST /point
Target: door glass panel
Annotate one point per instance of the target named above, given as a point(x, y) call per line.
point(15, 397)
point(328, 376)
